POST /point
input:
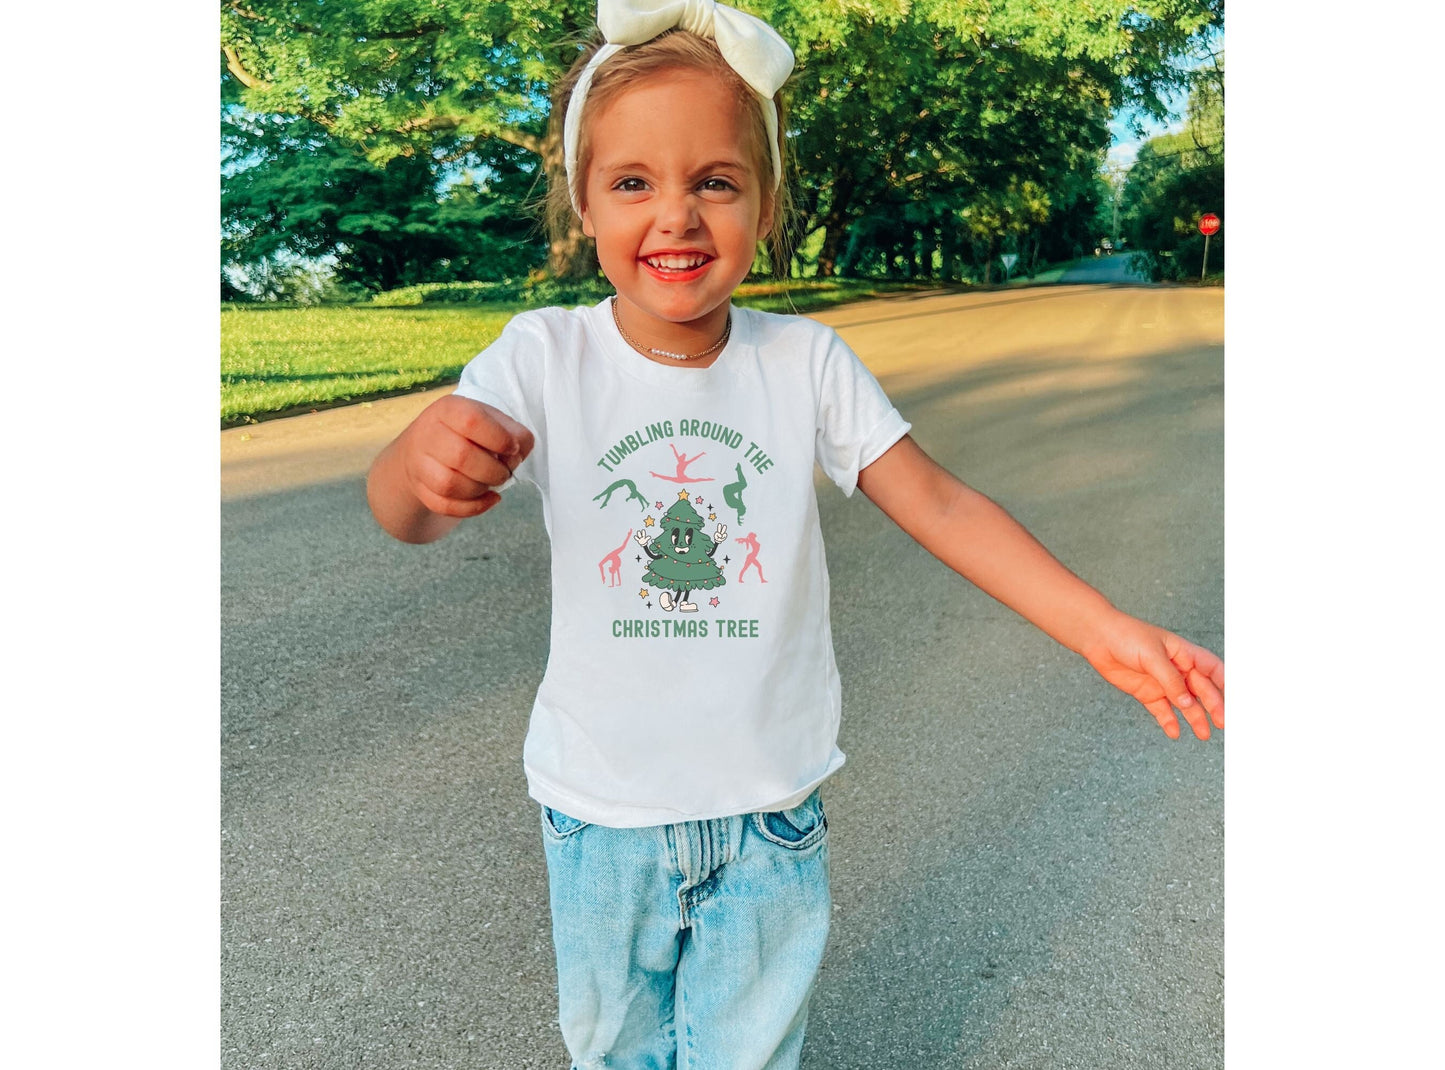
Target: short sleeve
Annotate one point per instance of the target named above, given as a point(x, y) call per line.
point(508, 376)
point(856, 421)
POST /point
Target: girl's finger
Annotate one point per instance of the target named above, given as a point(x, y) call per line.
point(1168, 677)
point(1162, 712)
point(477, 464)
point(1194, 714)
point(1187, 655)
point(1209, 695)
point(455, 507)
point(447, 482)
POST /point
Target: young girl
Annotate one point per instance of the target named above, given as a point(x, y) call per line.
point(687, 718)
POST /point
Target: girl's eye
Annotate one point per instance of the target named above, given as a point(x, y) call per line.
point(720, 184)
point(630, 185)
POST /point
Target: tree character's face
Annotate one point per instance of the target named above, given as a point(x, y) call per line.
point(683, 542)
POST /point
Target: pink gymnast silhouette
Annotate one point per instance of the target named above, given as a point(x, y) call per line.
point(750, 540)
point(613, 563)
point(682, 462)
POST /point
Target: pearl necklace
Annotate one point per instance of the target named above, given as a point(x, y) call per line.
point(664, 353)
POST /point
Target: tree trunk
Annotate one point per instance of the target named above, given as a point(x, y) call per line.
point(828, 255)
point(833, 224)
point(570, 255)
point(948, 247)
point(847, 265)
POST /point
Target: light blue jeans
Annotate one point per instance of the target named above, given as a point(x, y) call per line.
point(691, 946)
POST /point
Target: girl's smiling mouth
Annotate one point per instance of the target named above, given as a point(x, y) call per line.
point(676, 267)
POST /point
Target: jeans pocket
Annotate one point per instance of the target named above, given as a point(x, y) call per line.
point(558, 825)
point(796, 828)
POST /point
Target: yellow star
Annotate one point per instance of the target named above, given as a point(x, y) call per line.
point(648, 522)
point(712, 516)
point(642, 593)
point(682, 495)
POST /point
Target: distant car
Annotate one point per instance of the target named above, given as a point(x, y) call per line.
point(1108, 247)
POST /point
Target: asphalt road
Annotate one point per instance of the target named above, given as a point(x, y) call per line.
point(1091, 269)
point(1026, 872)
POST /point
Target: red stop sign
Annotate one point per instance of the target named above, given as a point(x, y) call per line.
point(1208, 223)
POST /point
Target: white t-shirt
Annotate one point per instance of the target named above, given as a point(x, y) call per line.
point(691, 676)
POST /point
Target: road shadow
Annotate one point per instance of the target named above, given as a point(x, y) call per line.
point(1012, 295)
point(382, 875)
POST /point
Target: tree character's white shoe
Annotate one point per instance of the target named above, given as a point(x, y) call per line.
point(666, 599)
point(687, 607)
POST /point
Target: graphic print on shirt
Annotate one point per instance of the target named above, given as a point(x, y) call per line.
point(733, 493)
point(681, 554)
point(611, 565)
point(750, 540)
point(681, 476)
point(632, 492)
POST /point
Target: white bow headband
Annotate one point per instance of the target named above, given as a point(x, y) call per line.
point(749, 45)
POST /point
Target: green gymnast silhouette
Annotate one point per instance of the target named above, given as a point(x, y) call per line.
point(632, 492)
point(733, 494)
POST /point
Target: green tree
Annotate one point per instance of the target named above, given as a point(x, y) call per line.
point(937, 104)
point(925, 103)
point(292, 191)
point(1175, 179)
point(438, 79)
point(682, 554)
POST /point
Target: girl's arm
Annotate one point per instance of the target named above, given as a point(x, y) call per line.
point(986, 546)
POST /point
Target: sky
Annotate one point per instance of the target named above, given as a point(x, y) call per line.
point(1126, 143)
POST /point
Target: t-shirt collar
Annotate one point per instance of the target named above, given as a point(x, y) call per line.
point(680, 377)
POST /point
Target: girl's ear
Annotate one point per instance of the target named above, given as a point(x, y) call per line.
point(587, 227)
point(765, 216)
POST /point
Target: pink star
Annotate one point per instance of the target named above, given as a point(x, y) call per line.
point(659, 505)
point(713, 601)
point(697, 500)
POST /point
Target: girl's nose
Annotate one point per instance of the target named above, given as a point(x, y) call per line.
point(678, 213)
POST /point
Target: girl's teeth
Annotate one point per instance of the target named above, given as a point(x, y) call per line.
point(676, 263)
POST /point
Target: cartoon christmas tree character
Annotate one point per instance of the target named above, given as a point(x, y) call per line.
point(682, 556)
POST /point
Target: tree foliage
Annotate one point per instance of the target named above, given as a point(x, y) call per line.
point(295, 192)
point(1175, 180)
point(928, 134)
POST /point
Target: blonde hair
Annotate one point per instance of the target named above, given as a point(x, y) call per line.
point(675, 49)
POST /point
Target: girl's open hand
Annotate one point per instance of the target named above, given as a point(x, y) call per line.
point(1162, 671)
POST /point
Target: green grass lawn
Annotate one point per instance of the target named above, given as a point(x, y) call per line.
point(279, 360)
